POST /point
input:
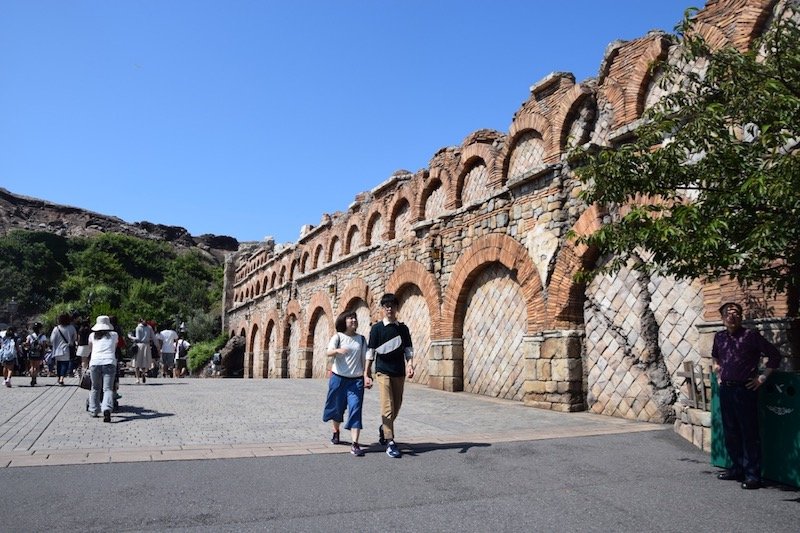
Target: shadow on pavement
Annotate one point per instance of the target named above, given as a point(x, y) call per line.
point(129, 413)
point(422, 447)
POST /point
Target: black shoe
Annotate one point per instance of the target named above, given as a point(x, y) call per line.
point(144, 378)
point(106, 416)
point(730, 476)
point(751, 484)
point(381, 439)
point(335, 438)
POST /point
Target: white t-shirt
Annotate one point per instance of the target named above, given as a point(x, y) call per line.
point(351, 364)
point(103, 350)
point(168, 338)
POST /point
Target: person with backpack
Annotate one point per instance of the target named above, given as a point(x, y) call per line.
point(8, 354)
point(346, 384)
point(181, 352)
point(36, 342)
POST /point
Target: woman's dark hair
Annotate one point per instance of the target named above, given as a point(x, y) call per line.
point(341, 320)
point(64, 319)
point(100, 334)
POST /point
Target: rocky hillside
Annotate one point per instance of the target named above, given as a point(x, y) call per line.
point(33, 214)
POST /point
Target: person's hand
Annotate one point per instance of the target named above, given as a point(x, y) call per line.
point(367, 382)
point(756, 382)
point(409, 371)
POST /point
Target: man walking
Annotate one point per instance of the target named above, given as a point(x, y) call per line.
point(390, 347)
point(736, 355)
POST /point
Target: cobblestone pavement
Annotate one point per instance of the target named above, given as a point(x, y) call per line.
point(181, 419)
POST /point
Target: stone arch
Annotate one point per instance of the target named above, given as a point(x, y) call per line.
point(320, 328)
point(315, 262)
point(434, 194)
point(304, 262)
point(282, 277)
point(490, 249)
point(294, 349)
point(567, 109)
point(269, 349)
point(639, 82)
point(351, 243)
point(450, 201)
point(357, 289)
point(273, 279)
point(374, 233)
point(565, 299)
point(253, 346)
point(414, 273)
point(401, 212)
point(334, 249)
point(292, 269)
point(523, 126)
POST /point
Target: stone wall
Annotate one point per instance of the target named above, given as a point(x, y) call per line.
point(476, 248)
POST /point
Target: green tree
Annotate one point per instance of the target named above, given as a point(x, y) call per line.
point(710, 185)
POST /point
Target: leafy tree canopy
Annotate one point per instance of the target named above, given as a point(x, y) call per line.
point(710, 185)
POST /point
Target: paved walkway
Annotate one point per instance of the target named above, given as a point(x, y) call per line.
point(181, 419)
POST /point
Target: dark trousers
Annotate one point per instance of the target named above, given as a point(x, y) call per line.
point(739, 406)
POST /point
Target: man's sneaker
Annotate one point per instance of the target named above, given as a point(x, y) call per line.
point(335, 438)
point(106, 416)
point(381, 438)
point(356, 450)
point(393, 451)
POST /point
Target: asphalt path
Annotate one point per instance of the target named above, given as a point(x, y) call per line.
point(254, 455)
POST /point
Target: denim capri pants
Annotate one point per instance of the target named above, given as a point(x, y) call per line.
point(344, 393)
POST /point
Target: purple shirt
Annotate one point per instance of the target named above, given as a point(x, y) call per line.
point(739, 353)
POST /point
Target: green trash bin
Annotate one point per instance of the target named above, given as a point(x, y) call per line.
point(719, 453)
point(779, 422)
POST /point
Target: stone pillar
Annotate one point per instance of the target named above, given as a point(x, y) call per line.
point(305, 362)
point(281, 363)
point(554, 370)
point(248, 365)
point(446, 365)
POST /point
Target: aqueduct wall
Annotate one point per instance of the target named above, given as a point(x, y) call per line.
point(476, 248)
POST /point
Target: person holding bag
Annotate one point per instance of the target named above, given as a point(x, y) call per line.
point(102, 367)
point(346, 384)
point(63, 339)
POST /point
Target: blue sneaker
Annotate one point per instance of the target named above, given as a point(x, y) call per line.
point(393, 451)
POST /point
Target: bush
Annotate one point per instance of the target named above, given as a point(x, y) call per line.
point(201, 353)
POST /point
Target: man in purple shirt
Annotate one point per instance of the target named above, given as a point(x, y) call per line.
point(736, 355)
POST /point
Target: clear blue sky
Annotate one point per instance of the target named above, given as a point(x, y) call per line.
point(253, 117)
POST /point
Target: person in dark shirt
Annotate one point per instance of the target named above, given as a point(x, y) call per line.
point(390, 348)
point(736, 355)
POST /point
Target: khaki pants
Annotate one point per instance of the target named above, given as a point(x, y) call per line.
point(390, 390)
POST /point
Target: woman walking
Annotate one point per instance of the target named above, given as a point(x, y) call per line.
point(102, 367)
point(37, 345)
point(63, 339)
point(346, 385)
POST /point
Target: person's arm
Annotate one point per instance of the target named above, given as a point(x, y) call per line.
point(334, 347)
point(773, 356)
point(408, 352)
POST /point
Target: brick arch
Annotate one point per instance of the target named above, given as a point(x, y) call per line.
point(319, 303)
point(357, 289)
point(331, 246)
point(567, 107)
point(523, 124)
point(449, 186)
point(272, 279)
point(370, 218)
point(419, 208)
point(639, 81)
point(565, 299)
point(271, 323)
point(316, 258)
point(485, 250)
point(282, 276)
point(250, 351)
point(348, 247)
point(399, 202)
point(293, 269)
point(470, 156)
point(304, 261)
point(414, 273)
point(615, 96)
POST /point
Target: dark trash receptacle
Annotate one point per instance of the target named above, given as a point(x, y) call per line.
point(779, 423)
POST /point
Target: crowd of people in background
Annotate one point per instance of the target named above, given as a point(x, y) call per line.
point(68, 350)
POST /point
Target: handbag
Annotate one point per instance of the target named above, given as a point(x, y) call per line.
point(86, 380)
point(73, 350)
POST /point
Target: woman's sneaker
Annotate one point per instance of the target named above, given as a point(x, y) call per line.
point(335, 438)
point(356, 450)
point(393, 451)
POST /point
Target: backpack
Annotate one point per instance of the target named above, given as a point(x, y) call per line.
point(35, 349)
point(8, 350)
point(182, 349)
point(216, 358)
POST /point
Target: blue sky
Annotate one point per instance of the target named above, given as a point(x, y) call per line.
point(251, 118)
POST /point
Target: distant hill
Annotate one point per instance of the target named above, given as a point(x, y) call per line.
point(32, 214)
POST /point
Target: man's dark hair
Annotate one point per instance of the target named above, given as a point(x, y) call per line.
point(389, 299)
point(341, 320)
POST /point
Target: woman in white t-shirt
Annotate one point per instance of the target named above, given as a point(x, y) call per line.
point(346, 385)
point(103, 367)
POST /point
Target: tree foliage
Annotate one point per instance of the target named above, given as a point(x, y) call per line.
point(110, 274)
point(710, 185)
